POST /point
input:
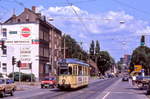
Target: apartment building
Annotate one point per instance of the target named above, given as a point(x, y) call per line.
point(30, 38)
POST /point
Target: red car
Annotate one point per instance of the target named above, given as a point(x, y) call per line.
point(48, 82)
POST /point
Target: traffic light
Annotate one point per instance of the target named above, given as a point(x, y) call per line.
point(142, 40)
point(2, 46)
point(19, 63)
point(13, 60)
point(30, 65)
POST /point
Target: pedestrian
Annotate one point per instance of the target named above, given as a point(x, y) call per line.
point(133, 80)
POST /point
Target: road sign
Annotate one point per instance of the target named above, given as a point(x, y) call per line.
point(137, 68)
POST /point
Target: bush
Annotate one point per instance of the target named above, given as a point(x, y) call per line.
point(24, 77)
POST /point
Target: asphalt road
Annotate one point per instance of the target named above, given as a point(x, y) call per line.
point(91, 92)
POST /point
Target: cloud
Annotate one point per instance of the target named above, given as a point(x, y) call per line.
point(108, 27)
point(93, 23)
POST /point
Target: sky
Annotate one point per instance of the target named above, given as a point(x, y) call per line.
point(116, 24)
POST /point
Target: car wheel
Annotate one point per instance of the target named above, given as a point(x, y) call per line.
point(53, 86)
point(12, 93)
point(2, 94)
point(41, 86)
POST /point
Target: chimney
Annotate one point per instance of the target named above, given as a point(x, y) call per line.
point(34, 9)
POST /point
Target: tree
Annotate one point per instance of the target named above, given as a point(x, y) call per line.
point(104, 61)
point(92, 50)
point(97, 48)
point(92, 46)
point(141, 56)
point(73, 49)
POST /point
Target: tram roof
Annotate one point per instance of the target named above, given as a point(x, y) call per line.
point(72, 61)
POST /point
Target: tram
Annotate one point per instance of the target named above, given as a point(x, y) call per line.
point(72, 73)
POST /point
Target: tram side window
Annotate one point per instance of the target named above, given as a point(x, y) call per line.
point(79, 70)
point(74, 70)
point(63, 71)
point(86, 71)
point(70, 70)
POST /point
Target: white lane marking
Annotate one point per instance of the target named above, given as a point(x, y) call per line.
point(108, 90)
point(106, 95)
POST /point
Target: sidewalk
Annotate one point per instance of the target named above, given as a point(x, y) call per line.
point(122, 90)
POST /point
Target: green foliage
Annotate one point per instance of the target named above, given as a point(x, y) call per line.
point(92, 47)
point(73, 48)
point(24, 76)
point(104, 61)
point(141, 56)
point(97, 48)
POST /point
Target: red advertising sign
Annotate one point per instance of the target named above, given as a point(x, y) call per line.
point(26, 32)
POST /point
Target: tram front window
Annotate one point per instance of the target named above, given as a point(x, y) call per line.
point(63, 71)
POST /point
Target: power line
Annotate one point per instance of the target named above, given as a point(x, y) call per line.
point(19, 3)
point(76, 2)
point(131, 7)
point(80, 19)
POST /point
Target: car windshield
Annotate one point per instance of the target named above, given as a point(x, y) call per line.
point(49, 79)
point(63, 71)
point(2, 81)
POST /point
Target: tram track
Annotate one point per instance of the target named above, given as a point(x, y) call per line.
point(83, 93)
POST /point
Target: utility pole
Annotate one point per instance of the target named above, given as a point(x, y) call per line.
point(81, 50)
point(13, 63)
point(64, 46)
point(30, 66)
point(19, 65)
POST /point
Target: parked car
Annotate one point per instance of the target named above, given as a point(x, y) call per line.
point(125, 78)
point(48, 82)
point(7, 86)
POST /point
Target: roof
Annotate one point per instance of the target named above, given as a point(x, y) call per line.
point(73, 61)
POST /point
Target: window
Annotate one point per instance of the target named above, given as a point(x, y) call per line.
point(70, 70)
point(27, 20)
point(18, 20)
point(41, 34)
point(41, 51)
point(5, 50)
point(79, 70)
point(4, 67)
point(46, 36)
point(75, 70)
point(4, 32)
point(63, 71)
point(46, 52)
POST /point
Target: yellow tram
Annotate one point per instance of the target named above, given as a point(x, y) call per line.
point(72, 73)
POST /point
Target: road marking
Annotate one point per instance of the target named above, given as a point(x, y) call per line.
point(106, 95)
point(107, 91)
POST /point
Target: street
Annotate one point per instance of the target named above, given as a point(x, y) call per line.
point(100, 89)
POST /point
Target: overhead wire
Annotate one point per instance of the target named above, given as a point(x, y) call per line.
point(131, 7)
point(80, 19)
point(20, 3)
point(76, 2)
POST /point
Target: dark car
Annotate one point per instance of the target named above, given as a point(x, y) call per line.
point(125, 78)
point(48, 82)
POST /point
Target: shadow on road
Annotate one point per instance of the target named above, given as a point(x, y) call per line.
point(68, 90)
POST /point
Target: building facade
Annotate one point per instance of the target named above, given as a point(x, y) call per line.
point(31, 39)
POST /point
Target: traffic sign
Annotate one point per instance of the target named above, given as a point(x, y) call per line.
point(137, 68)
